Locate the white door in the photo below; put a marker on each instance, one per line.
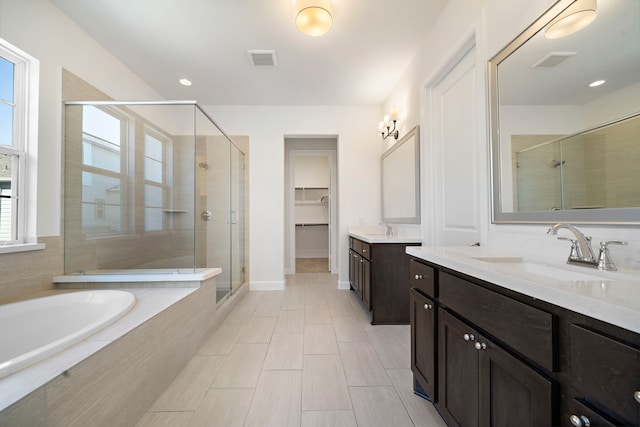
(455, 148)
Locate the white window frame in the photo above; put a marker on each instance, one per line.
(126, 124)
(164, 185)
(25, 148)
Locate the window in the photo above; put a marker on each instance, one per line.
(154, 181)
(103, 164)
(18, 144)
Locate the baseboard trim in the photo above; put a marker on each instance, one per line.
(344, 285)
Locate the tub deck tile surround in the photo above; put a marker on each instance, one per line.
(137, 359)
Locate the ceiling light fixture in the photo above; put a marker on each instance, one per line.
(314, 17)
(387, 127)
(596, 83)
(185, 82)
(574, 18)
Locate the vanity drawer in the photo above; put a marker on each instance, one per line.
(527, 330)
(606, 373)
(422, 278)
(365, 250)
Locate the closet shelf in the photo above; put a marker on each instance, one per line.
(309, 202)
(310, 224)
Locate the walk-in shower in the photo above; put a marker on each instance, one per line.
(152, 187)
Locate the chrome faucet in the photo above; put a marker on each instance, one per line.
(581, 250)
(389, 230)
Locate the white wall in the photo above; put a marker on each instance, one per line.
(43, 31)
(358, 174)
(502, 21)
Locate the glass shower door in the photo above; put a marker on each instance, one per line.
(237, 218)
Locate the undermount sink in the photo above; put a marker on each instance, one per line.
(520, 265)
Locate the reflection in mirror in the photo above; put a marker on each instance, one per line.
(590, 170)
(401, 180)
(562, 150)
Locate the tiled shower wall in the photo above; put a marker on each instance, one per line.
(25, 274)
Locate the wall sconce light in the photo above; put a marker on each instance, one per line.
(314, 17)
(572, 19)
(387, 127)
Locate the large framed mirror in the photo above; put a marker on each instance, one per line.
(400, 166)
(563, 147)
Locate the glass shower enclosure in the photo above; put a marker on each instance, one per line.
(152, 187)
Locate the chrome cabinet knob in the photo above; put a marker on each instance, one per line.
(418, 276)
(428, 306)
(481, 346)
(580, 421)
(468, 337)
(636, 396)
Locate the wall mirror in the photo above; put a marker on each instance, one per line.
(563, 150)
(401, 180)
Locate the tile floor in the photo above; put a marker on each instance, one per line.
(306, 356)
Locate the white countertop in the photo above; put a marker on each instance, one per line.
(383, 238)
(613, 297)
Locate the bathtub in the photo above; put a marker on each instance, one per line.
(35, 329)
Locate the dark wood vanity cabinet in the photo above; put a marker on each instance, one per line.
(605, 375)
(360, 270)
(378, 274)
(503, 358)
(482, 384)
(423, 340)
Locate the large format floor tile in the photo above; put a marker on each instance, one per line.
(307, 356)
(324, 386)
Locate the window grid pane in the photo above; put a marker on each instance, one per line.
(7, 79)
(7, 89)
(7, 214)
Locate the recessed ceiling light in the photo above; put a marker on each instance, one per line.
(185, 82)
(596, 83)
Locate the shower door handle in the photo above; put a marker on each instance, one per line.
(233, 217)
(206, 215)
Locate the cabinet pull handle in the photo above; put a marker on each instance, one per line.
(428, 306)
(481, 346)
(468, 337)
(418, 276)
(636, 396)
(580, 421)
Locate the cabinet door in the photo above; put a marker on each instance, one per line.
(366, 283)
(357, 279)
(511, 393)
(457, 371)
(352, 269)
(423, 345)
(605, 373)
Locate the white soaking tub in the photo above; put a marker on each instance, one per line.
(35, 329)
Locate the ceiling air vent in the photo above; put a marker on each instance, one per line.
(262, 58)
(553, 59)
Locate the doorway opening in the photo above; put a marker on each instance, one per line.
(310, 196)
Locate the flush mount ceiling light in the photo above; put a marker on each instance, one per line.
(314, 17)
(597, 83)
(185, 82)
(572, 19)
